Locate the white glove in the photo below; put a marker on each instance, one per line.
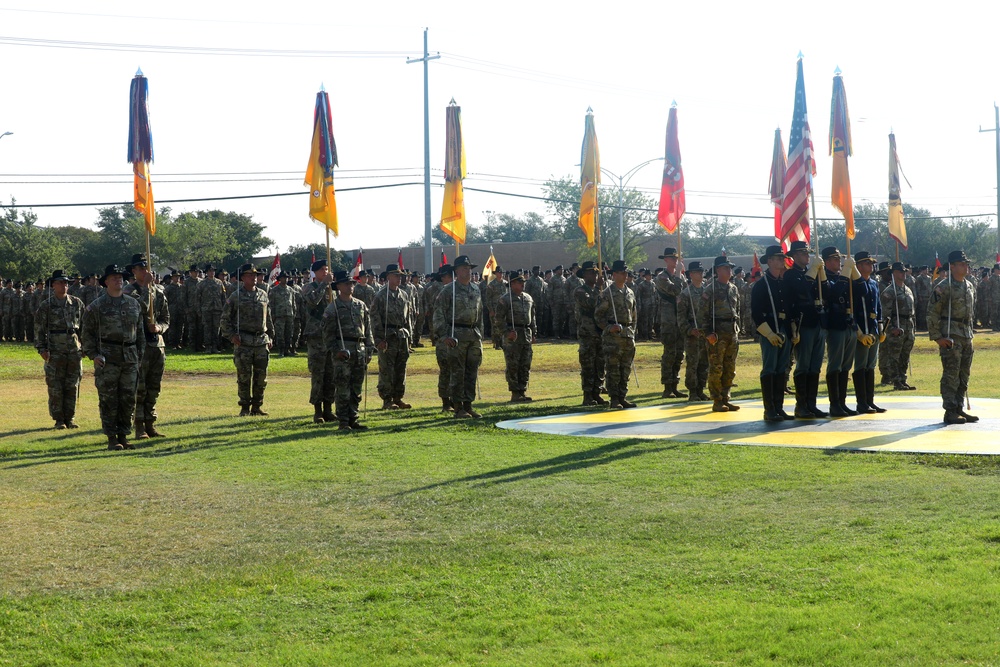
(851, 268)
(773, 338)
(817, 269)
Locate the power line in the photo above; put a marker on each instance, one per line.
(739, 216)
(195, 50)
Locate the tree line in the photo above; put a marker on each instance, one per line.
(705, 236)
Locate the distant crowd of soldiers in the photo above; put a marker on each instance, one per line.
(796, 308)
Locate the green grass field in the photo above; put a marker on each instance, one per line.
(428, 541)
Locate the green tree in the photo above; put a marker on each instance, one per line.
(300, 257)
(503, 226)
(638, 215)
(706, 236)
(27, 251)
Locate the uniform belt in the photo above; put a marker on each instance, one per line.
(63, 331)
(251, 333)
(117, 342)
(624, 324)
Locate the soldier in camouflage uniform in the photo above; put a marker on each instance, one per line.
(588, 334)
(517, 323)
(247, 323)
(668, 285)
(211, 295)
(993, 296)
(417, 305)
(91, 290)
(27, 312)
(316, 296)
(348, 337)
(281, 299)
(536, 287)
(154, 355)
(57, 329)
(192, 315)
(391, 319)
(572, 282)
(298, 324)
(616, 312)
(445, 277)
(174, 295)
(428, 295)
(695, 347)
(950, 325)
(113, 338)
(557, 299)
(922, 296)
(458, 323)
(719, 315)
(898, 311)
(495, 289)
(645, 295)
(6, 306)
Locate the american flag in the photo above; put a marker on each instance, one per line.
(801, 169)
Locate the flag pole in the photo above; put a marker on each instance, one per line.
(149, 267)
(812, 200)
(329, 289)
(597, 230)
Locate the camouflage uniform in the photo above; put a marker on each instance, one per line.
(464, 359)
(175, 304)
(993, 295)
(113, 327)
(719, 313)
(898, 311)
(192, 314)
(922, 294)
(695, 346)
(281, 300)
(617, 306)
(591, 353)
(645, 295)
(346, 326)
(315, 298)
(518, 353)
(89, 293)
(246, 315)
(959, 300)
(57, 331)
(153, 358)
(537, 288)
(298, 324)
(494, 290)
(211, 296)
(572, 282)
(557, 299)
(668, 288)
(6, 295)
(391, 318)
(428, 296)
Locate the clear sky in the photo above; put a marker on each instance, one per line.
(226, 107)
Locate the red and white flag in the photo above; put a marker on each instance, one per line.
(399, 260)
(672, 203)
(359, 264)
(801, 169)
(312, 274)
(444, 259)
(272, 278)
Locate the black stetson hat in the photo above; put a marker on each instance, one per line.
(588, 265)
(831, 251)
(317, 265)
(668, 252)
(773, 251)
(694, 266)
(463, 260)
(796, 246)
(619, 265)
(343, 277)
(112, 270)
(59, 274)
(246, 268)
(722, 260)
(956, 256)
(863, 256)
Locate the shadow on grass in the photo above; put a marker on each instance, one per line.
(609, 453)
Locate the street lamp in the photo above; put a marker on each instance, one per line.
(622, 182)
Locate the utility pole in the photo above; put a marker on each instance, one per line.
(996, 131)
(428, 241)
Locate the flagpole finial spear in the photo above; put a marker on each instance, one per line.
(673, 105)
(589, 109)
(452, 103)
(322, 87)
(138, 71)
(836, 71)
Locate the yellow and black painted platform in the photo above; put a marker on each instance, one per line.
(911, 424)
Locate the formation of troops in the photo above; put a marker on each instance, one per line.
(858, 315)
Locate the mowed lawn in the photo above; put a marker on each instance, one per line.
(428, 541)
